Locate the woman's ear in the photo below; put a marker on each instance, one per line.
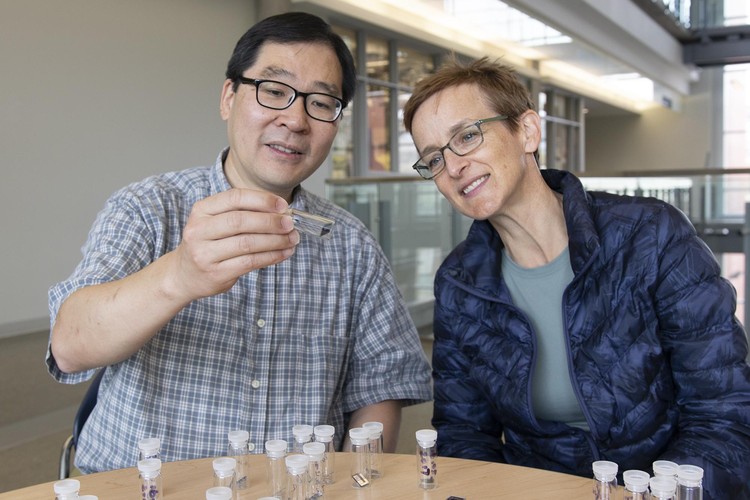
(531, 125)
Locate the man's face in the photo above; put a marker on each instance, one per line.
(275, 150)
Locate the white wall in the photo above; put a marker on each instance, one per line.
(95, 94)
(659, 139)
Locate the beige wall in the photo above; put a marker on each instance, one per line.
(659, 139)
(95, 94)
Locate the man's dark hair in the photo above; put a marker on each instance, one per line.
(292, 27)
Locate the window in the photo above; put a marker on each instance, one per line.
(342, 150)
(736, 127)
(736, 146)
(375, 142)
(562, 137)
(736, 154)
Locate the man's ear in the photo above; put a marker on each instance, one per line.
(227, 99)
(531, 125)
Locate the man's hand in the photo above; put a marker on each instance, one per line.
(228, 235)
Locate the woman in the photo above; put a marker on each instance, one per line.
(571, 326)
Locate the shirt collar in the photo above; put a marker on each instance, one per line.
(219, 183)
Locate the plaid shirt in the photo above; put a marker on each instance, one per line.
(306, 341)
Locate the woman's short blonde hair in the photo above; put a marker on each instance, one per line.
(499, 84)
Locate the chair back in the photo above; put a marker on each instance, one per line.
(87, 406)
(84, 410)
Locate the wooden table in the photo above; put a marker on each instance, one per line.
(470, 479)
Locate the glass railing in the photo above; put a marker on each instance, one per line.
(705, 196)
(417, 227)
(707, 14)
(411, 220)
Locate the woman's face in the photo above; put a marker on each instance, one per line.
(488, 181)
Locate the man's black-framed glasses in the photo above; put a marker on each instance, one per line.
(462, 143)
(276, 95)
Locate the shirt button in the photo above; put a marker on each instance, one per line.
(261, 323)
(255, 384)
(250, 446)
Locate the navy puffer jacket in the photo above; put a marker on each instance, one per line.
(657, 356)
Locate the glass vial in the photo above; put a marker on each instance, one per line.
(315, 452)
(238, 450)
(224, 472)
(689, 482)
(67, 489)
(324, 434)
(427, 458)
(149, 470)
(636, 485)
(302, 434)
(276, 468)
(663, 488)
(149, 448)
(376, 448)
(219, 493)
(360, 448)
(605, 479)
(311, 224)
(297, 478)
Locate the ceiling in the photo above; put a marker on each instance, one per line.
(614, 53)
(612, 43)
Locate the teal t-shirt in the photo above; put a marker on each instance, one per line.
(538, 293)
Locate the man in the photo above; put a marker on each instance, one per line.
(571, 326)
(210, 312)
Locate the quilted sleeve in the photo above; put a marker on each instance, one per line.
(707, 349)
(462, 415)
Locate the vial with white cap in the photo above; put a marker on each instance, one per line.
(376, 448)
(360, 448)
(302, 434)
(224, 472)
(689, 482)
(276, 468)
(219, 493)
(298, 478)
(663, 488)
(427, 458)
(324, 434)
(238, 449)
(149, 470)
(636, 484)
(665, 468)
(67, 489)
(315, 452)
(149, 448)
(605, 479)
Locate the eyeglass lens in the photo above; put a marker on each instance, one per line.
(277, 95)
(462, 143)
